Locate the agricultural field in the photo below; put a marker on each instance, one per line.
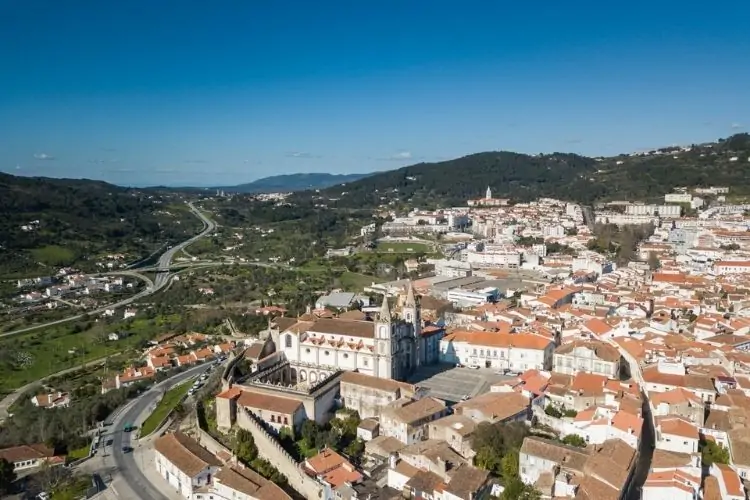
(403, 247)
(32, 356)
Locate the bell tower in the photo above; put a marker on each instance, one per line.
(383, 342)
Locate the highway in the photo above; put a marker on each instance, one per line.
(129, 480)
(166, 258)
(162, 278)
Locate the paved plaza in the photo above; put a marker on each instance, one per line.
(451, 384)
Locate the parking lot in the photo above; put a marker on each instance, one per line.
(451, 384)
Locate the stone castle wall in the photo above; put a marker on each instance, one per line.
(271, 449)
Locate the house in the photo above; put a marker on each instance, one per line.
(545, 459)
(407, 419)
(729, 485)
(184, 464)
(677, 434)
(159, 363)
(665, 376)
(516, 352)
(275, 411)
(368, 395)
(51, 400)
(332, 471)
(113, 336)
(590, 356)
(608, 472)
(674, 484)
(680, 402)
(30, 456)
(457, 431)
(241, 483)
(133, 375)
(430, 470)
(368, 429)
(495, 407)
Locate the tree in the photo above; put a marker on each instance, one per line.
(714, 453)
(7, 476)
(244, 446)
(552, 411)
(509, 466)
(653, 261)
(515, 489)
(492, 442)
(574, 440)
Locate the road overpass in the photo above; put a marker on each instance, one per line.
(162, 277)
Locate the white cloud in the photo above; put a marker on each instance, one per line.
(400, 156)
(43, 156)
(736, 126)
(302, 154)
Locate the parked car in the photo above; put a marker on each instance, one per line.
(127, 449)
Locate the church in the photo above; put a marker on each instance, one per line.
(390, 346)
(487, 201)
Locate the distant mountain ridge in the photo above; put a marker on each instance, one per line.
(565, 176)
(293, 182)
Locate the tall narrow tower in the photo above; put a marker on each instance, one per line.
(383, 349)
(412, 315)
(489, 193)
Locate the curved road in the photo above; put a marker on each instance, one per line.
(132, 483)
(162, 278)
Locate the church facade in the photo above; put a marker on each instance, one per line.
(388, 347)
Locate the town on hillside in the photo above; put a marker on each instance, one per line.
(542, 350)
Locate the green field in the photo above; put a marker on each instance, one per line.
(355, 282)
(402, 247)
(32, 356)
(53, 255)
(168, 403)
(82, 452)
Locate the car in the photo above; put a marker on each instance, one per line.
(127, 449)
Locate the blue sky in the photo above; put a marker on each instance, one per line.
(205, 93)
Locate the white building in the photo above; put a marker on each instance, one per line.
(660, 210)
(516, 352)
(678, 198)
(732, 267)
(242, 483)
(184, 464)
(587, 356)
(471, 298)
(384, 348)
(510, 259)
(676, 434)
(674, 484)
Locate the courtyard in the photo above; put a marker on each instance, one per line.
(452, 384)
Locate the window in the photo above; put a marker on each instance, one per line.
(326, 353)
(366, 362)
(346, 355)
(481, 352)
(475, 352)
(288, 340)
(286, 420)
(307, 350)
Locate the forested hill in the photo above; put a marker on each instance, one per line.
(292, 182)
(52, 222)
(558, 175)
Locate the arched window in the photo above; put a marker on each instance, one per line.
(288, 340)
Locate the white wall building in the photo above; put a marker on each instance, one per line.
(184, 464)
(517, 352)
